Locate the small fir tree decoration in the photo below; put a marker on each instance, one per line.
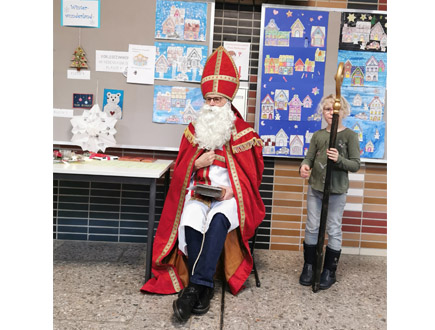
(79, 59)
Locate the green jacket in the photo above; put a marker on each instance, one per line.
(347, 145)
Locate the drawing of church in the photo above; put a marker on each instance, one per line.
(267, 108)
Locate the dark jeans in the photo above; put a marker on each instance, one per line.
(202, 270)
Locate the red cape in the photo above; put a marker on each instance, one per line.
(244, 159)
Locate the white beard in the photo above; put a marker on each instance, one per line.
(213, 126)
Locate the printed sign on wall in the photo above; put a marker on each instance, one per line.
(292, 76)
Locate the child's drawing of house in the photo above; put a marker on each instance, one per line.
(357, 129)
(177, 15)
(271, 65)
(189, 113)
(309, 65)
(191, 29)
(381, 66)
(178, 97)
(281, 99)
(299, 65)
(369, 147)
(318, 36)
(346, 34)
(297, 29)
(377, 31)
(286, 63)
(384, 42)
(274, 37)
(268, 144)
(281, 138)
(267, 108)
(320, 55)
(361, 32)
(375, 107)
(168, 26)
(162, 65)
(372, 69)
(307, 102)
(357, 100)
(296, 145)
(163, 101)
(295, 107)
(194, 57)
(357, 77)
(308, 136)
(347, 68)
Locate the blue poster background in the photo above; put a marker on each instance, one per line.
(291, 87)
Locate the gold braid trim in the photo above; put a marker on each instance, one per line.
(189, 136)
(236, 181)
(174, 279)
(242, 133)
(254, 142)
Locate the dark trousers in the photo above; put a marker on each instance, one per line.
(202, 263)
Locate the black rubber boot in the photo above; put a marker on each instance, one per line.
(306, 277)
(187, 298)
(329, 267)
(203, 304)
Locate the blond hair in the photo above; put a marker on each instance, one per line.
(345, 106)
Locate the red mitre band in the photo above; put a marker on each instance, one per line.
(220, 75)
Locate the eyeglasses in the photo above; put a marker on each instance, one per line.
(214, 99)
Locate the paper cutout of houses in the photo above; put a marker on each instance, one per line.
(296, 144)
(307, 102)
(376, 107)
(267, 108)
(309, 65)
(357, 100)
(281, 99)
(274, 37)
(297, 29)
(286, 63)
(318, 36)
(189, 113)
(271, 65)
(281, 138)
(191, 29)
(370, 147)
(357, 77)
(372, 69)
(295, 107)
(347, 68)
(299, 65)
(320, 55)
(268, 144)
(178, 97)
(163, 101)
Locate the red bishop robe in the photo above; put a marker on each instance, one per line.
(244, 159)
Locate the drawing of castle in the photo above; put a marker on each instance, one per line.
(267, 108)
(318, 36)
(274, 37)
(281, 99)
(295, 106)
(372, 69)
(297, 29)
(296, 144)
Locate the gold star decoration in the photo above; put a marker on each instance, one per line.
(289, 14)
(351, 18)
(363, 17)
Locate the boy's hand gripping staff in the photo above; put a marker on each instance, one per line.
(326, 190)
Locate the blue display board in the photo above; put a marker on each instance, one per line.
(292, 78)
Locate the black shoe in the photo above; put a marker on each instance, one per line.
(187, 298)
(330, 266)
(306, 277)
(203, 304)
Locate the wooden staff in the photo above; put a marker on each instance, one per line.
(326, 190)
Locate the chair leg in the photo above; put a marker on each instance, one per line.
(254, 268)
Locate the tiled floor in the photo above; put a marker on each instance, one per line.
(96, 286)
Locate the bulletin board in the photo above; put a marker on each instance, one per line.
(300, 48)
(122, 23)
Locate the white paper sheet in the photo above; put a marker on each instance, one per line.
(111, 61)
(141, 62)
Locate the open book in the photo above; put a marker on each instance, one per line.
(209, 191)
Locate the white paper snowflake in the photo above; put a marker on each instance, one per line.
(93, 130)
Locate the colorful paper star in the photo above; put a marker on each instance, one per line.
(351, 18)
(289, 14)
(315, 91)
(363, 17)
